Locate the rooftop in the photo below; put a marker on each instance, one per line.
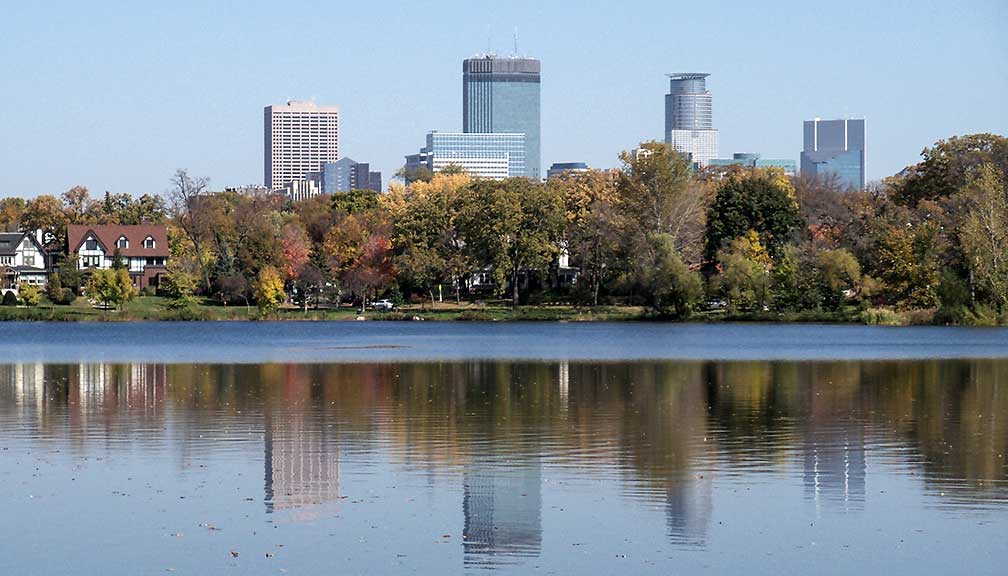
(687, 75)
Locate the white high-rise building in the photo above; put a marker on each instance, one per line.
(298, 138)
(689, 125)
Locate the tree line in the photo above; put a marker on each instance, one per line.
(928, 243)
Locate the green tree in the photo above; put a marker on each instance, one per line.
(70, 276)
(55, 291)
(948, 166)
(983, 233)
(355, 201)
(269, 289)
(514, 226)
(29, 294)
(756, 200)
(672, 289)
(118, 262)
(907, 263)
(745, 273)
(110, 287)
(179, 287)
(841, 274)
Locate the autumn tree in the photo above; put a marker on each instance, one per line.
(295, 248)
(269, 289)
(185, 198)
(11, 211)
(78, 205)
(592, 231)
(428, 244)
(45, 213)
(656, 195)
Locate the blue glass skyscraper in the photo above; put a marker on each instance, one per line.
(835, 147)
(502, 95)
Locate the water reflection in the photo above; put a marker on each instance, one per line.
(667, 434)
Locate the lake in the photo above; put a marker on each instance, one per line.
(386, 447)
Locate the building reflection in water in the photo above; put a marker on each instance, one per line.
(663, 430)
(502, 504)
(300, 456)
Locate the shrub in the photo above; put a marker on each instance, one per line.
(881, 317)
(10, 299)
(29, 294)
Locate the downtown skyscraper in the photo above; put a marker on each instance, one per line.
(837, 148)
(501, 95)
(689, 125)
(298, 137)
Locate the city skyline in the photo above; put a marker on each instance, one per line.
(198, 92)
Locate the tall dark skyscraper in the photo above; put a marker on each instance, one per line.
(502, 95)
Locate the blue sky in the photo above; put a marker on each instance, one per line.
(118, 95)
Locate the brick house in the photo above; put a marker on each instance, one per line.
(143, 249)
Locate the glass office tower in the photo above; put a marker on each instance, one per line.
(502, 95)
(491, 156)
(689, 125)
(835, 147)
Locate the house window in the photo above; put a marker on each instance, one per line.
(92, 261)
(6, 260)
(91, 244)
(29, 260)
(122, 242)
(148, 242)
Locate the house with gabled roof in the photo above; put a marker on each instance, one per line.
(143, 249)
(22, 259)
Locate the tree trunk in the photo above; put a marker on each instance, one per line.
(514, 288)
(595, 289)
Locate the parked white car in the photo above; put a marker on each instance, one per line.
(385, 305)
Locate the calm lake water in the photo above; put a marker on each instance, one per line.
(380, 448)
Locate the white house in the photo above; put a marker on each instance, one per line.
(22, 259)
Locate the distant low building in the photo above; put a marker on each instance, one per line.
(143, 249)
(251, 190)
(752, 160)
(345, 175)
(559, 168)
(297, 190)
(492, 156)
(22, 259)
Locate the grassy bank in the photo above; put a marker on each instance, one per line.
(153, 308)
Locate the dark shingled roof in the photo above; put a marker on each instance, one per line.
(9, 242)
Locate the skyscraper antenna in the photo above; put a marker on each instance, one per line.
(516, 41)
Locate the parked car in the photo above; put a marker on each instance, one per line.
(384, 305)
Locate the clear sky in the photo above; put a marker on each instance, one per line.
(118, 95)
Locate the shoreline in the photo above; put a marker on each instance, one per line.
(154, 309)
